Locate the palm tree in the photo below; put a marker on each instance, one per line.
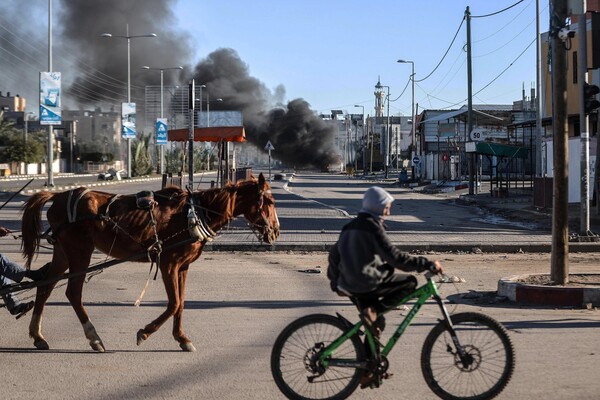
(142, 161)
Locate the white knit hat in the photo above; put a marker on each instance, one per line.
(375, 199)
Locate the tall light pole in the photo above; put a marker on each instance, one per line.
(128, 37)
(364, 142)
(162, 88)
(208, 123)
(412, 115)
(50, 127)
(388, 143)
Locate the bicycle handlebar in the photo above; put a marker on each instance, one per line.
(429, 275)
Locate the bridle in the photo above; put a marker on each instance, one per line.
(261, 217)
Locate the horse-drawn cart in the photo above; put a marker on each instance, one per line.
(170, 229)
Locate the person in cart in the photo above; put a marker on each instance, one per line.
(11, 272)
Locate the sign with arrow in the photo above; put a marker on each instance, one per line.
(269, 147)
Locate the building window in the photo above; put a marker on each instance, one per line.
(574, 67)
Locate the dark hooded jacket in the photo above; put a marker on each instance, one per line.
(363, 254)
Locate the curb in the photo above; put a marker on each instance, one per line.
(438, 248)
(103, 183)
(518, 292)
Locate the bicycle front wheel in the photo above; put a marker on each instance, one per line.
(486, 368)
(294, 359)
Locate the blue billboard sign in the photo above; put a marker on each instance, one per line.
(50, 98)
(128, 120)
(161, 131)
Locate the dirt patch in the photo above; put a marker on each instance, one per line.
(575, 280)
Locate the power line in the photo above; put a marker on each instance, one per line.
(446, 53)
(497, 12)
(489, 83)
(506, 69)
(505, 26)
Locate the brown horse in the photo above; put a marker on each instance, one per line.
(82, 220)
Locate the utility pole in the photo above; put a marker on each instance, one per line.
(559, 271)
(539, 168)
(192, 98)
(469, 156)
(584, 219)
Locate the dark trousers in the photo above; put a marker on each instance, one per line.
(394, 287)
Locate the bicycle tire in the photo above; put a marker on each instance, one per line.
(291, 355)
(483, 338)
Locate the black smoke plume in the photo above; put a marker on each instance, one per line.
(299, 136)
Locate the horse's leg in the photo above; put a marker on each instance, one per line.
(74, 293)
(184, 342)
(79, 258)
(58, 267)
(169, 277)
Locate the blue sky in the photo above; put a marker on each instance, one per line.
(331, 52)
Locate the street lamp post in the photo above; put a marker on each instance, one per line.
(412, 115)
(388, 143)
(208, 122)
(364, 157)
(128, 37)
(162, 146)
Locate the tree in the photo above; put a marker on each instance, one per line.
(142, 160)
(173, 159)
(16, 148)
(20, 151)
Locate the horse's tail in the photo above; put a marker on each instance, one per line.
(32, 225)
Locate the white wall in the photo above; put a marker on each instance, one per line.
(574, 166)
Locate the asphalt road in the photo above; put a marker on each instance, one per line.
(237, 303)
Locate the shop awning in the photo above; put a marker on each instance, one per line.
(501, 150)
(217, 134)
(461, 113)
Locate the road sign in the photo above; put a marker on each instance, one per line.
(416, 160)
(269, 146)
(161, 131)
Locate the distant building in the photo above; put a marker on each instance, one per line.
(12, 103)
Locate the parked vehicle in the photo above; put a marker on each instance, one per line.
(112, 174)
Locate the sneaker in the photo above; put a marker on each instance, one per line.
(22, 309)
(367, 380)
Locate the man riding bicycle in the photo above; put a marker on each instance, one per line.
(363, 261)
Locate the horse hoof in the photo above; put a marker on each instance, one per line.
(41, 345)
(98, 346)
(141, 336)
(187, 347)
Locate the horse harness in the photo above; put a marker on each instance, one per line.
(197, 227)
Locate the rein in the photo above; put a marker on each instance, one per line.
(253, 225)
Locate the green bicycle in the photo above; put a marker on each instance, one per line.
(465, 356)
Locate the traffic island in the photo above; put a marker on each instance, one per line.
(582, 291)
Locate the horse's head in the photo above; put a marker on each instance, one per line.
(259, 209)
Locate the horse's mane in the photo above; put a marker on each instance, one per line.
(171, 194)
(217, 199)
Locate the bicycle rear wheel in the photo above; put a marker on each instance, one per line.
(294, 359)
(489, 351)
